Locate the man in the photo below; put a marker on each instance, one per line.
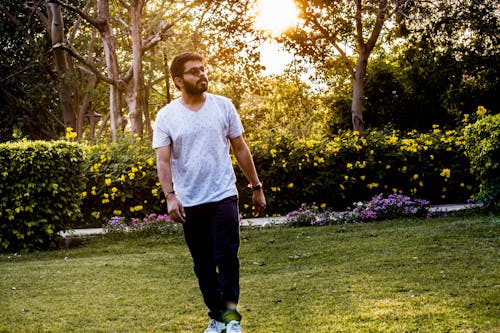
(192, 137)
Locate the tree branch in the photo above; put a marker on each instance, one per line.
(154, 39)
(382, 9)
(78, 21)
(332, 38)
(72, 52)
(76, 10)
(18, 23)
(359, 24)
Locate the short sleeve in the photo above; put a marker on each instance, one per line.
(235, 125)
(161, 137)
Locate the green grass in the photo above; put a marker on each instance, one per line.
(411, 275)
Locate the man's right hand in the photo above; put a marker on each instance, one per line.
(175, 209)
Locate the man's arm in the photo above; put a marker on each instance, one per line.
(163, 166)
(245, 161)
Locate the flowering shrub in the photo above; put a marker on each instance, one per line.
(347, 166)
(304, 216)
(151, 224)
(122, 179)
(381, 207)
(482, 141)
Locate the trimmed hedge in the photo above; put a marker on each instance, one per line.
(40, 187)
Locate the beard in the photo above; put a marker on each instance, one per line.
(198, 88)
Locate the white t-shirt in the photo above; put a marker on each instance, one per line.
(202, 171)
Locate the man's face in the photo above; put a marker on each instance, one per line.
(195, 77)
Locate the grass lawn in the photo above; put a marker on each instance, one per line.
(407, 275)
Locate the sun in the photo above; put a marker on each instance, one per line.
(276, 16)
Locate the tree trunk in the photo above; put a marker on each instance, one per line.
(358, 93)
(108, 39)
(61, 63)
(136, 93)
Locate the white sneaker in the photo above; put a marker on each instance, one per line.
(233, 327)
(215, 327)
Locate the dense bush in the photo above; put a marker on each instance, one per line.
(482, 146)
(40, 187)
(122, 181)
(333, 172)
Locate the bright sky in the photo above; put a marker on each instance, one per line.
(275, 16)
(274, 58)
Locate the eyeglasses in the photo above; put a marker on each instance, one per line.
(196, 71)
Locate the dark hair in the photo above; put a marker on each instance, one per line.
(177, 65)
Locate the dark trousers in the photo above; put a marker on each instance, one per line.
(212, 233)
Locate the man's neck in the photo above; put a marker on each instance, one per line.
(188, 99)
(193, 102)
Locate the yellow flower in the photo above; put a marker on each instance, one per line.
(290, 185)
(70, 134)
(93, 191)
(421, 184)
(372, 185)
(154, 192)
(83, 195)
(273, 152)
(481, 111)
(445, 173)
(134, 169)
(323, 205)
(107, 182)
(342, 187)
(117, 212)
(95, 167)
(246, 206)
(114, 190)
(415, 177)
(349, 165)
(362, 177)
(150, 161)
(131, 176)
(465, 120)
(96, 214)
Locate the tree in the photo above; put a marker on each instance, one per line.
(451, 59)
(28, 93)
(130, 80)
(343, 27)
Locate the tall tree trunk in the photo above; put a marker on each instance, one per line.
(108, 39)
(358, 93)
(136, 94)
(62, 66)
